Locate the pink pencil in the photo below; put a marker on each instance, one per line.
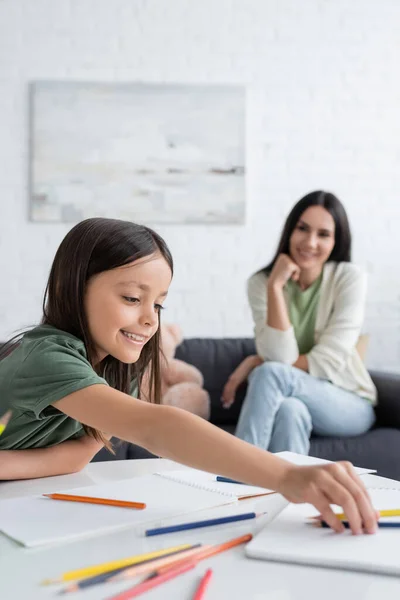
(149, 584)
(202, 585)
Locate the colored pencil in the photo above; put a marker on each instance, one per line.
(198, 555)
(380, 524)
(90, 500)
(227, 480)
(149, 564)
(199, 594)
(158, 565)
(4, 421)
(153, 582)
(392, 512)
(115, 564)
(199, 524)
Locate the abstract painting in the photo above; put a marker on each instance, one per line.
(149, 153)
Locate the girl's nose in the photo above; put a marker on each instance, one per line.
(149, 317)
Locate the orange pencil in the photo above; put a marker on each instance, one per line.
(90, 500)
(218, 548)
(202, 585)
(149, 584)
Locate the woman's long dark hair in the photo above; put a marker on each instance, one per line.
(342, 249)
(91, 247)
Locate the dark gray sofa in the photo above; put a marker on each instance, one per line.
(217, 358)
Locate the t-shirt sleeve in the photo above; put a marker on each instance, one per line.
(50, 372)
(134, 389)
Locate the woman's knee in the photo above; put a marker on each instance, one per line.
(271, 370)
(293, 409)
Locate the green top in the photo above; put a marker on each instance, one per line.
(303, 306)
(48, 365)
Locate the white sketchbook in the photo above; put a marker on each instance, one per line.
(307, 461)
(37, 520)
(291, 539)
(207, 481)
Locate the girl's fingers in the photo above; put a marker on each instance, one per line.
(321, 503)
(347, 476)
(340, 488)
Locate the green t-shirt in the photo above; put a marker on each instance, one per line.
(48, 365)
(303, 305)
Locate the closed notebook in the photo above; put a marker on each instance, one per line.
(291, 539)
(207, 482)
(37, 520)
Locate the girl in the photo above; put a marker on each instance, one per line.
(308, 307)
(70, 380)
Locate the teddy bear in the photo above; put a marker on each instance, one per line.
(181, 383)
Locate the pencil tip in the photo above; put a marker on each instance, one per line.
(47, 581)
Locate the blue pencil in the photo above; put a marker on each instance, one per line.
(227, 480)
(198, 524)
(380, 524)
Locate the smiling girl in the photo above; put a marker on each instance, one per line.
(75, 380)
(308, 307)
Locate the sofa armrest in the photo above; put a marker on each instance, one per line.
(388, 409)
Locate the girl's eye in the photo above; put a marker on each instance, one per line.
(325, 234)
(159, 307)
(301, 227)
(130, 299)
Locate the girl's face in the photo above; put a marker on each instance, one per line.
(313, 239)
(122, 306)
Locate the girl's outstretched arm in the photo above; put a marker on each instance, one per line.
(68, 457)
(181, 436)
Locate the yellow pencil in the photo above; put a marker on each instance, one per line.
(393, 512)
(4, 420)
(110, 566)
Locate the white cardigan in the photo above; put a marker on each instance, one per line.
(339, 319)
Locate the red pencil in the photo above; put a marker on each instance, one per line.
(202, 585)
(149, 584)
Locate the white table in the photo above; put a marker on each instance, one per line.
(234, 575)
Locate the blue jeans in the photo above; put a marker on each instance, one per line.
(283, 405)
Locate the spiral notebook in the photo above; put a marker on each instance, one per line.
(36, 520)
(207, 482)
(291, 539)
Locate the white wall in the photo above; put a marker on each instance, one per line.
(323, 109)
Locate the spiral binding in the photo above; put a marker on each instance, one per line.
(199, 486)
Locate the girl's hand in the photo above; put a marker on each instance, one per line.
(335, 483)
(284, 269)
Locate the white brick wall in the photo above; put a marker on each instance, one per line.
(323, 111)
